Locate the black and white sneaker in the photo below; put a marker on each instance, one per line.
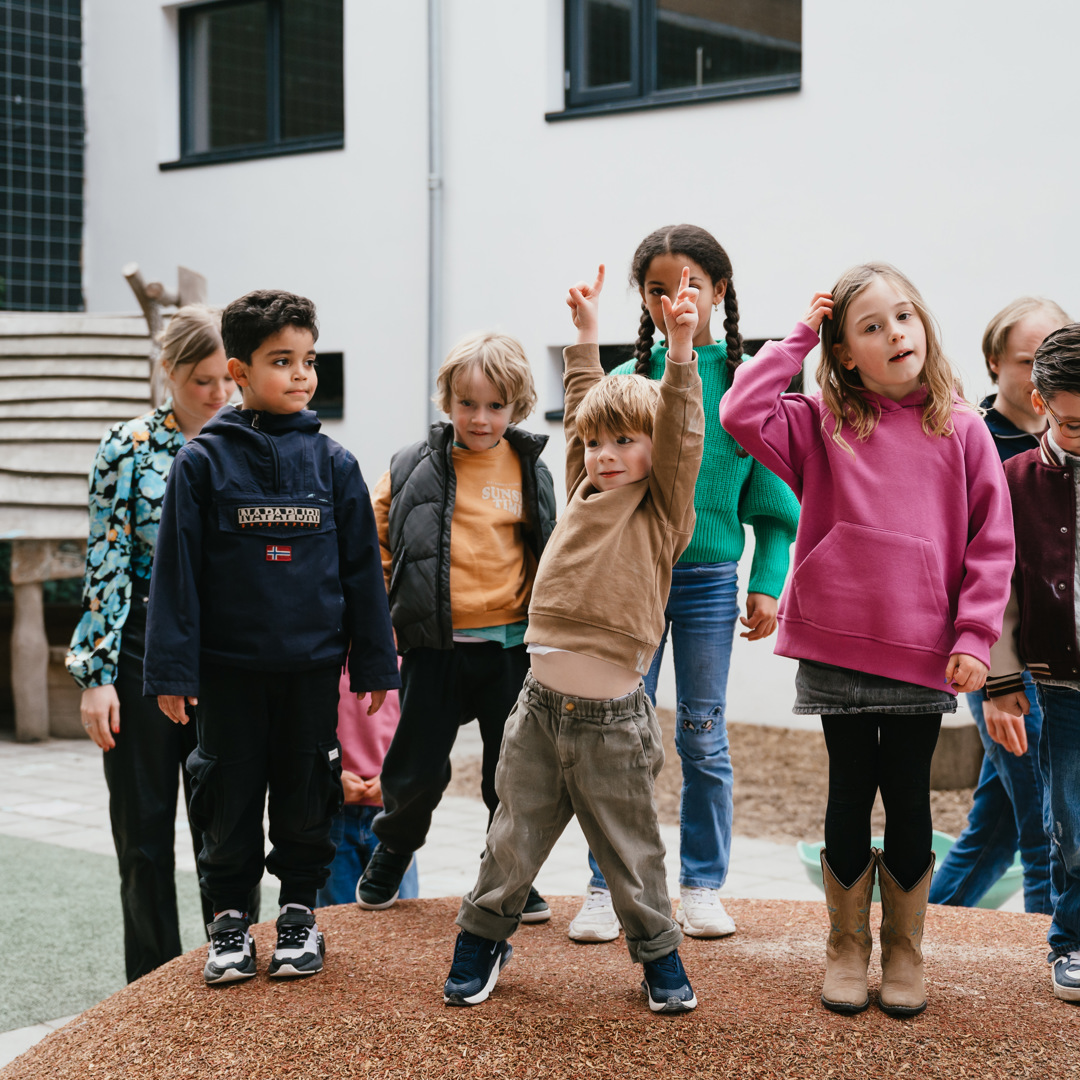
(231, 955)
(1066, 975)
(378, 886)
(667, 985)
(536, 908)
(476, 967)
(300, 946)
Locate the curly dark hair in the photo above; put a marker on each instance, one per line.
(701, 246)
(246, 323)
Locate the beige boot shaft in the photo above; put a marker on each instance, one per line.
(903, 990)
(847, 953)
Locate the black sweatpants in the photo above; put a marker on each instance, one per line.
(890, 751)
(441, 689)
(260, 730)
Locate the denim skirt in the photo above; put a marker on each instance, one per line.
(823, 688)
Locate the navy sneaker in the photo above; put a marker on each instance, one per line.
(536, 908)
(300, 946)
(231, 954)
(667, 985)
(476, 967)
(378, 886)
(1065, 975)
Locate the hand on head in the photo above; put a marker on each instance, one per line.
(681, 320)
(584, 303)
(819, 310)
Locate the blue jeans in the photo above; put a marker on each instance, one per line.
(351, 831)
(1007, 814)
(701, 613)
(1059, 759)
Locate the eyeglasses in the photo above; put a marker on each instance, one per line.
(1069, 427)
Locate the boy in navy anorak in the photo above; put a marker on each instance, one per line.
(267, 575)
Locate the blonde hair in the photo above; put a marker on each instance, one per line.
(619, 405)
(840, 387)
(193, 333)
(996, 334)
(500, 359)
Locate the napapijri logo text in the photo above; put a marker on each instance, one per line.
(307, 516)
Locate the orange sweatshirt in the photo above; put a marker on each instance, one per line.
(491, 566)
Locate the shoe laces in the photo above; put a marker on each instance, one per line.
(292, 936)
(225, 941)
(699, 895)
(668, 965)
(595, 899)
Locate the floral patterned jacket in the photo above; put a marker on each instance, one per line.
(127, 485)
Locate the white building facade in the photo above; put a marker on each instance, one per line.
(931, 135)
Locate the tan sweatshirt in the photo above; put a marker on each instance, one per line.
(603, 580)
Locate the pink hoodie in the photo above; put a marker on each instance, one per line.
(365, 739)
(904, 553)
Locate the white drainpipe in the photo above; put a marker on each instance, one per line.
(435, 192)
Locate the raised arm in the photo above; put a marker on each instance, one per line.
(776, 428)
(679, 426)
(582, 370)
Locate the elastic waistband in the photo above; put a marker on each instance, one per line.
(589, 709)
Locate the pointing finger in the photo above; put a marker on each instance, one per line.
(599, 283)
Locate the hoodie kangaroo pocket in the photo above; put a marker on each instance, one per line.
(875, 584)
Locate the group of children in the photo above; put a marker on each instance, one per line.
(274, 567)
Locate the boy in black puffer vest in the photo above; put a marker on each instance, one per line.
(463, 518)
(267, 574)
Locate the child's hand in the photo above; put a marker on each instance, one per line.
(966, 673)
(584, 304)
(377, 699)
(354, 786)
(1004, 725)
(819, 310)
(172, 705)
(681, 320)
(760, 616)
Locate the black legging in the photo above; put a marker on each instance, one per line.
(890, 751)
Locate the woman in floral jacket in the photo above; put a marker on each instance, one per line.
(144, 751)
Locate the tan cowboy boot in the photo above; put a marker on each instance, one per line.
(848, 952)
(902, 913)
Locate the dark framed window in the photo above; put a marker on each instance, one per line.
(634, 54)
(260, 77)
(329, 399)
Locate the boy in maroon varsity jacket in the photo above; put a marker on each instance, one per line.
(1040, 630)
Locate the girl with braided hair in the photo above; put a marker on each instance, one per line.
(732, 490)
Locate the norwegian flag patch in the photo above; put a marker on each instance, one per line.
(278, 553)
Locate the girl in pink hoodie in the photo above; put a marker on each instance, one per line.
(902, 565)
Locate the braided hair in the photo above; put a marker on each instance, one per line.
(702, 247)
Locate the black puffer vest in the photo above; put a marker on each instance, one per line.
(422, 488)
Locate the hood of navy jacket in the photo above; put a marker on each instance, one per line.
(267, 557)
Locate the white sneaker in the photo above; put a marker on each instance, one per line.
(596, 921)
(702, 915)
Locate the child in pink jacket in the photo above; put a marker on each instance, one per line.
(902, 562)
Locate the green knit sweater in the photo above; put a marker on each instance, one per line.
(733, 491)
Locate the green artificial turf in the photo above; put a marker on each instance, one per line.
(62, 934)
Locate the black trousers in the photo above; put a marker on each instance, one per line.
(891, 752)
(260, 731)
(143, 772)
(441, 690)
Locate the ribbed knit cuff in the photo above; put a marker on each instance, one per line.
(999, 686)
(769, 566)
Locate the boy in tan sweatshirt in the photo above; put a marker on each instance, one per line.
(583, 738)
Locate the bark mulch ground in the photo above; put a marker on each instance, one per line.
(566, 1010)
(781, 784)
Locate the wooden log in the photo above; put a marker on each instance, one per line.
(31, 324)
(89, 429)
(44, 522)
(46, 560)
(54, 458)
(30, 664)
(66, 389)
(20, 489)
(69, 345)
(151, 308)
(109, 411)
(94, 367)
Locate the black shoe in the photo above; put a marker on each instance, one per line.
(476, 967)
(667, 985)
(300, 946)
(536, 908)
(379, 883)
(231, 955)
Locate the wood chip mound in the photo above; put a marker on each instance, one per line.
(566, 1010)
